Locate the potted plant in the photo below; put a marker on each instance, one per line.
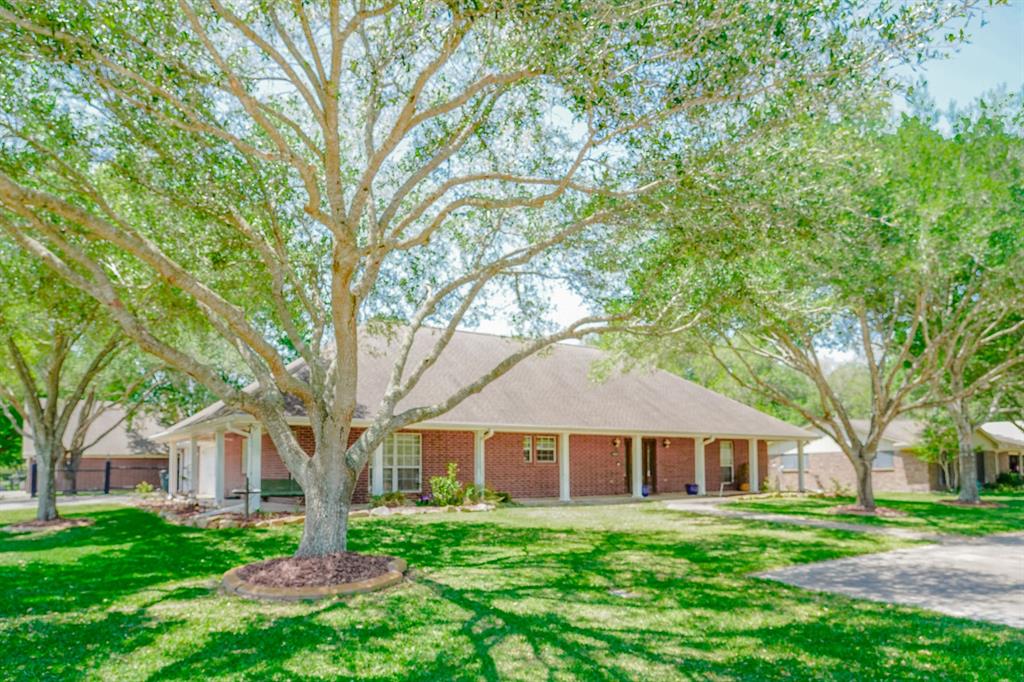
(743, 476)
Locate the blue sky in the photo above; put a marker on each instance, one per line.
(994, 56)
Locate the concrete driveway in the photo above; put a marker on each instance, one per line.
(978, 578)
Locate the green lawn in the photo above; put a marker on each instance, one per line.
(517, 594)
(923, 512)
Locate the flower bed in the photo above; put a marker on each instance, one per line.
(303, 578)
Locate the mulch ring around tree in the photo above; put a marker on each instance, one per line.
(972, 505)
(53, 525)
(299, 578)
(857, 510)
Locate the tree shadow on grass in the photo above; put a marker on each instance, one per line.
(82, 643)
(922, 513)
(124, 552)
(536, 589)
(490, 600)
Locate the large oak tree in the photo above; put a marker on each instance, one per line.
(284, 173)
(895, 243)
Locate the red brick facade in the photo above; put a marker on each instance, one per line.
(826, 470)
(506, 469)
(596, 465)
(594, 469)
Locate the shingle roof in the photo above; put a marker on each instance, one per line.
(552, 390)
(1008, 435)
(902, 433)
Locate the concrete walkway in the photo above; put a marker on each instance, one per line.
(976, 578)
(26, 502)
(711, 506)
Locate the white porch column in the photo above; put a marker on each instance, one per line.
(638, 466)
(752, 459)
(698, 466)
(800, 466)
(254, 464)
(193, 465)
(563, 467)
(218, 467)
(377, 471)
(172, 469)
(478, 459)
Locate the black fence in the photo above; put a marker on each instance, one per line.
(94, 477)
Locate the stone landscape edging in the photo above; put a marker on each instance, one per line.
(233, 584)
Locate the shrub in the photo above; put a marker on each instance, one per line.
(1009, 479)
(838, 489)
(144, 487)
(476, 494)
(392, 499)
(447, 490)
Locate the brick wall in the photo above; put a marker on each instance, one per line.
(442, 447)
(909, 474)
(593, 469)
(675, 464)
(506, 471)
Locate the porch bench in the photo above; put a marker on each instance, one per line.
(280, 487)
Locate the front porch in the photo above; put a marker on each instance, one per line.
(537, 468)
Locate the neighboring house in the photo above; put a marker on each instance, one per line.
(132, 454)
(896, 469)
(545, 429)
(1003, 446)
(1000, 447)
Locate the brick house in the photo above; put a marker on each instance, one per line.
(896, 469)
(1002, 447)
(121, 453)
(999, 448)
(546, 429)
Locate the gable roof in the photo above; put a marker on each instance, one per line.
(902, 433)
(122, 441)
(553, 390)
(1005, 435)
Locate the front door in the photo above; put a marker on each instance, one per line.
(650, 465)
(979, 460)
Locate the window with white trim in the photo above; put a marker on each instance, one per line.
(403, 462)
(527, 449)
(725, 460)
(885, 459)
(546, 448)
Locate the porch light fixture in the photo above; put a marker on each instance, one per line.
(665, 443)
(616, 442)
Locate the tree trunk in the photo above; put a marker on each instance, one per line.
(948, 475)
(46, 487)
(326, 528)
(968, 466)
(865, 485)
(71, 473)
